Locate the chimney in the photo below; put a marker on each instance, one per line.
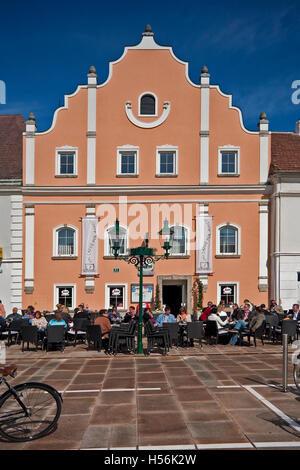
(297, 128)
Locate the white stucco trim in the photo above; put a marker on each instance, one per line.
(144, 124)
(237, 240)
(229, 148)
(128, 148)
(234, 107)
(263, 246)
(187, 236)
(166, 148)
(16, 251)
(29, 159)
(106, 239)
(55, 240)
(55, 293)
(263, 157)
(91, 160)
(148, 43)
(221, 283)
(139, 104)
(29, 249)
(65, 106)
(113, 284)
(66, 149)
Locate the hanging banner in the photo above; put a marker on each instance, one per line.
(89, 246)
(204, 244)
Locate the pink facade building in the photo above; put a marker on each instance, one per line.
(145, 145)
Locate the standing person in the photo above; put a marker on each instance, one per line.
(2, 310)
(166, 317)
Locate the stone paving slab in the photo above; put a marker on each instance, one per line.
(192, 397)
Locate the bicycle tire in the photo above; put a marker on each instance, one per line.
(44, 412)
(296, 373)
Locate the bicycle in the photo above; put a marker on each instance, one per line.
(29, 410)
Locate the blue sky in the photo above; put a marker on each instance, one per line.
(251, 49)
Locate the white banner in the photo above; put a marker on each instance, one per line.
(89, 246)
(204, 244)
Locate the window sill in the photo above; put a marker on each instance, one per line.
(228, 256)
(229, 175)
(66, 176)
(128, 175)
(112, 257)
(179, 256)
(64, 257)
(166, 175)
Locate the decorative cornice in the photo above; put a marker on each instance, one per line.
(147, 124)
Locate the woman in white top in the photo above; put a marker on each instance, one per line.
(221, 310)
(183, 316)
(216, 317)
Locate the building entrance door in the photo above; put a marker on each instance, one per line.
(172, 297)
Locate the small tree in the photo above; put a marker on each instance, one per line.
(197, 294)
(157, 304)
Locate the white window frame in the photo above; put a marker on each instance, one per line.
(66, 149)
(116, 284)
(139, 104)
(238, 239)
(123, 149)
(106, 240)
(229, 148)
(187, 241)
(55, 294)
(166, 148)
(237, 290)
(55, 241)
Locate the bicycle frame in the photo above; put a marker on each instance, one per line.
(5, 417)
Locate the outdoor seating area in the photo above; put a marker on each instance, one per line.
(122, 337)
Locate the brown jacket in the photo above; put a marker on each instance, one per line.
(256, 321)
(104, 324)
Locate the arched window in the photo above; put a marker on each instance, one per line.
(123, 236)
(65, 241)
(179, 245)
(147, 105)
(228, 240)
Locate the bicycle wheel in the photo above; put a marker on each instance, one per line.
(297, 376)
(43, 403)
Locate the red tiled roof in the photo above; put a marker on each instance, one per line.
(285, 152)
(11, 128)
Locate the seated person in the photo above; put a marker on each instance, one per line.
(166, 317)
(183, 316)
(82, 312)
(242, 323)
(214, 316)
(205, 313)
(114, 316)
(148, 315)
(131, 315)
(105, 325)
(14, 315)
(65, 313)
(2, 324)
(27, 315)
(40, 321)
(257, 320)
(58, 320)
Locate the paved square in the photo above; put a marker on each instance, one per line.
(215, 397)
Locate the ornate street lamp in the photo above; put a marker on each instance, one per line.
(142, 257)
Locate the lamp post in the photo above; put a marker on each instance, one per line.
(142, 257)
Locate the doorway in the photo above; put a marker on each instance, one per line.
(172, 297)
